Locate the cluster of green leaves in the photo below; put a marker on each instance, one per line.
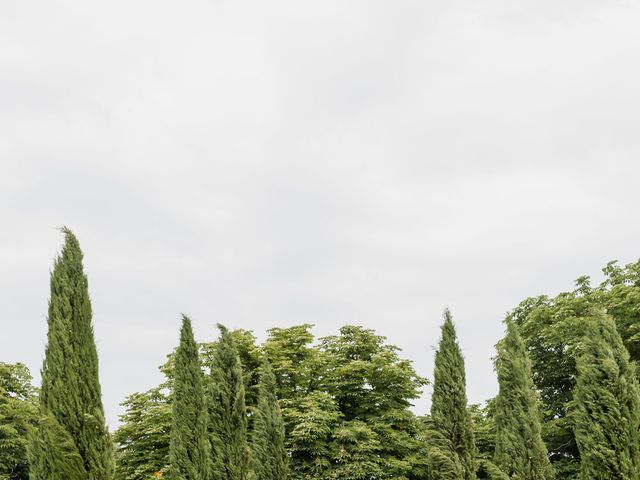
(18, 415)
(143, 437)
(346, 403)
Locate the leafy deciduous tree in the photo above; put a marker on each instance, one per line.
(18, 413)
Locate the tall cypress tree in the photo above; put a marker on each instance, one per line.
(607, 404)
(269, 453)
(72, 439)
(227, 412)
(189, 448)
(520, 451)
(449, 416)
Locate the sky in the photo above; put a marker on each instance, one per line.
(268, 164)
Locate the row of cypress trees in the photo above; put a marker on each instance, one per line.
(209, 423)
(209, 428)
(605, 409)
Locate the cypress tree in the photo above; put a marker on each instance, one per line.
(189, 454)
(227, 412)
(442, 461)
(449, 416)
(72, 439)
(269, 453)
(606, 404)
(520, 451)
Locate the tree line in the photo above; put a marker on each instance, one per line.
(339, 407)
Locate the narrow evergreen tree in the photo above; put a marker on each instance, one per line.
(607, 405)
(520, 451)
(269, 453)
(227, 412)
(189, 448)
(449, 415)
(73, 425)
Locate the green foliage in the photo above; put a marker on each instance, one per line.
(294, 360)
(373, 389)
(18, 414)
(53, 454)
(309, 415)
(520, 451)
(346, 404)
(227, 412)
(268, 449)
(552, 328)
(144, 435)
(340, 407)
(488, 470)
(70, 398)
(313, 422)
(250, 355)
(449, 415)
(189, 448)
(484, 430)
(607, 404)
(443, 462)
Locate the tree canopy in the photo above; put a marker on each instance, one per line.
(339, 407)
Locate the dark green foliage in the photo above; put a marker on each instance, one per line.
(250, 358)
(53, 454)
(71, 409)
(227, 412)
(189, 449)
(268, 450)
(144, 435)
(450, 419)
(18, 415)
(443, 463)
(520, 451)
(488, 470)
(607, 405)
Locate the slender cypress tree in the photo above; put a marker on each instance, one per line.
(269, 453)
(520, 451)
(449, 416)
(607, 405)
(73, 425)
(227, 413)
(189, 454)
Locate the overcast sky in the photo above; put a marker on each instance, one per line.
(271, 163)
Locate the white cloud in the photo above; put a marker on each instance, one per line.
(273, 163)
